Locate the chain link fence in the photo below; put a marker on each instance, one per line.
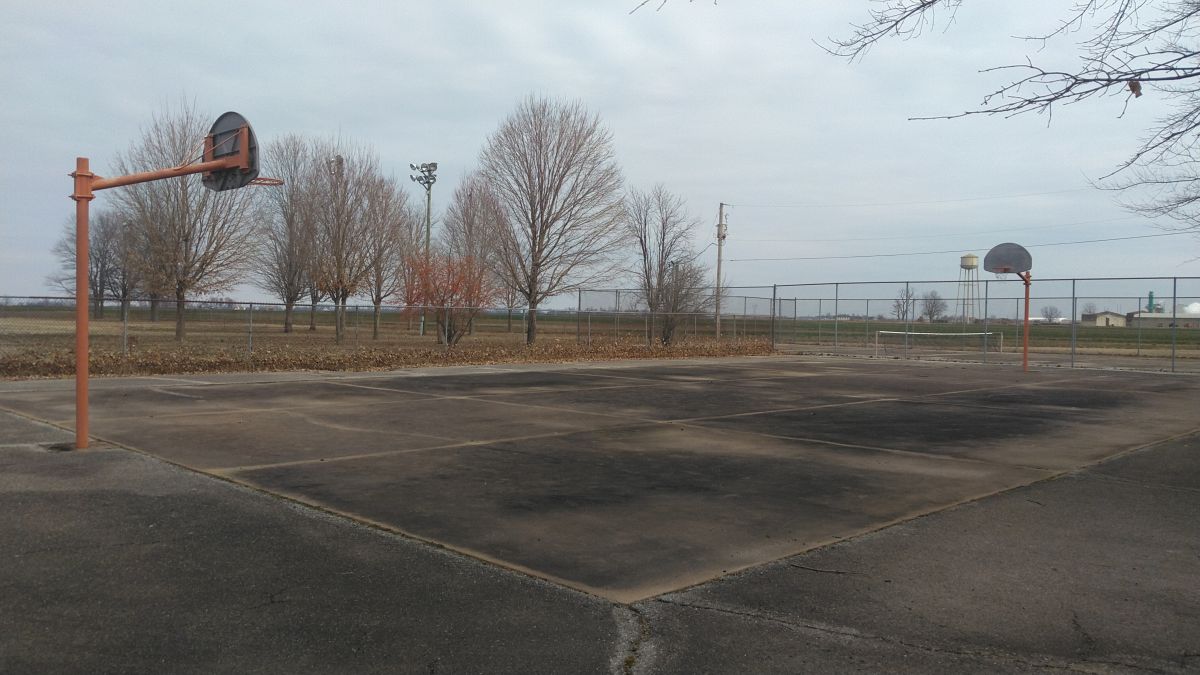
(1127, 322)
(1130, 322)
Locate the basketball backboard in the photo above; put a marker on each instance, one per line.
(1008, 257)
(224, 140)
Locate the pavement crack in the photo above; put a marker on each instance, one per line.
(274, 598)
(1041, 661)
(1089, 642)
(823, 571)
(633, 631)
(1096, 475)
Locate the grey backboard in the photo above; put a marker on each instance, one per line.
(225, 142)
(1008, 257)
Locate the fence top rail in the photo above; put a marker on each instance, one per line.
(958, 281)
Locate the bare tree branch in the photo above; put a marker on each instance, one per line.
(194, 240)
(552, 169)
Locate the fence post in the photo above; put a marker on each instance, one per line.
(1138, 321)
(836, 298)
(617, 320)
(589, 329)
(985, 320)
(820, 313)
(250, 330)
(648, 336)
(867, 328)
(795, 321)
(578, 312)
(1074, 324)
(907, 319)
(1174, 317)
(356, 325)
(125, 328)
(774, 311)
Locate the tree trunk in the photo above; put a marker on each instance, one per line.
(125, 308)
(510, 319)
(97, 306)
(531, 325)
(375, 320)
(154, 308)
(668, 329)
(312, 311)
(180, 305)
(339, 319)
(288, 310)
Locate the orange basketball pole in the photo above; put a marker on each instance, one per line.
(86, 183)
(1027, 278)
(82, 196)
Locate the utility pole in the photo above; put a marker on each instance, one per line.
(426, 180)
(720, 253)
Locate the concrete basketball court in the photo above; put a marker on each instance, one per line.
(730, 489)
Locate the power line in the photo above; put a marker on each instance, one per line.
(944, 235)
(959, 250)
(1020, 195)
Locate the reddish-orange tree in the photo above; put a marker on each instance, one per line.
(457, 288)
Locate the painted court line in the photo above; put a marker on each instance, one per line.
(404, 451)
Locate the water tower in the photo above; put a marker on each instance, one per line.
(967, 306)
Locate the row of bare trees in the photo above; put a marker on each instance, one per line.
(545, 214)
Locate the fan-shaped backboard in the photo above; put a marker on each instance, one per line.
(224, 140)
(1008, 257)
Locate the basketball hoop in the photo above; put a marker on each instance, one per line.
(262, 180)
(1010, 258)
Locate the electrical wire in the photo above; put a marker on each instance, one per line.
(944, 235)
(959, 250)
(846, 205)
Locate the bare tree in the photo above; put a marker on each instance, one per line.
(287, 235)
(125, 278)
(1090, 308)
(102, 244)
(388, 238)
(470, 229)
(196, 241)
(933, 306)
(511, 299)
(670, 280)
(343, 228)
(472, 220)
(902, 306)
(552, 168)
(1129, 48)
(1051, 314)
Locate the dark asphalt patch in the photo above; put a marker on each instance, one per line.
(630, 512)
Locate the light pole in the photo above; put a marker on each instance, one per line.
(721, 233)
(425, 179)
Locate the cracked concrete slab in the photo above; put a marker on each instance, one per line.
(1095, 569)
(633, 512)
(115, 562)
(575, 473)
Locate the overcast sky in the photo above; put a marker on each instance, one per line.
(730, 103)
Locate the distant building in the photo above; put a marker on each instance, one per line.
(1104, 318)
(1163, 319)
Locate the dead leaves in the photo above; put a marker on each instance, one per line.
(176, 359)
